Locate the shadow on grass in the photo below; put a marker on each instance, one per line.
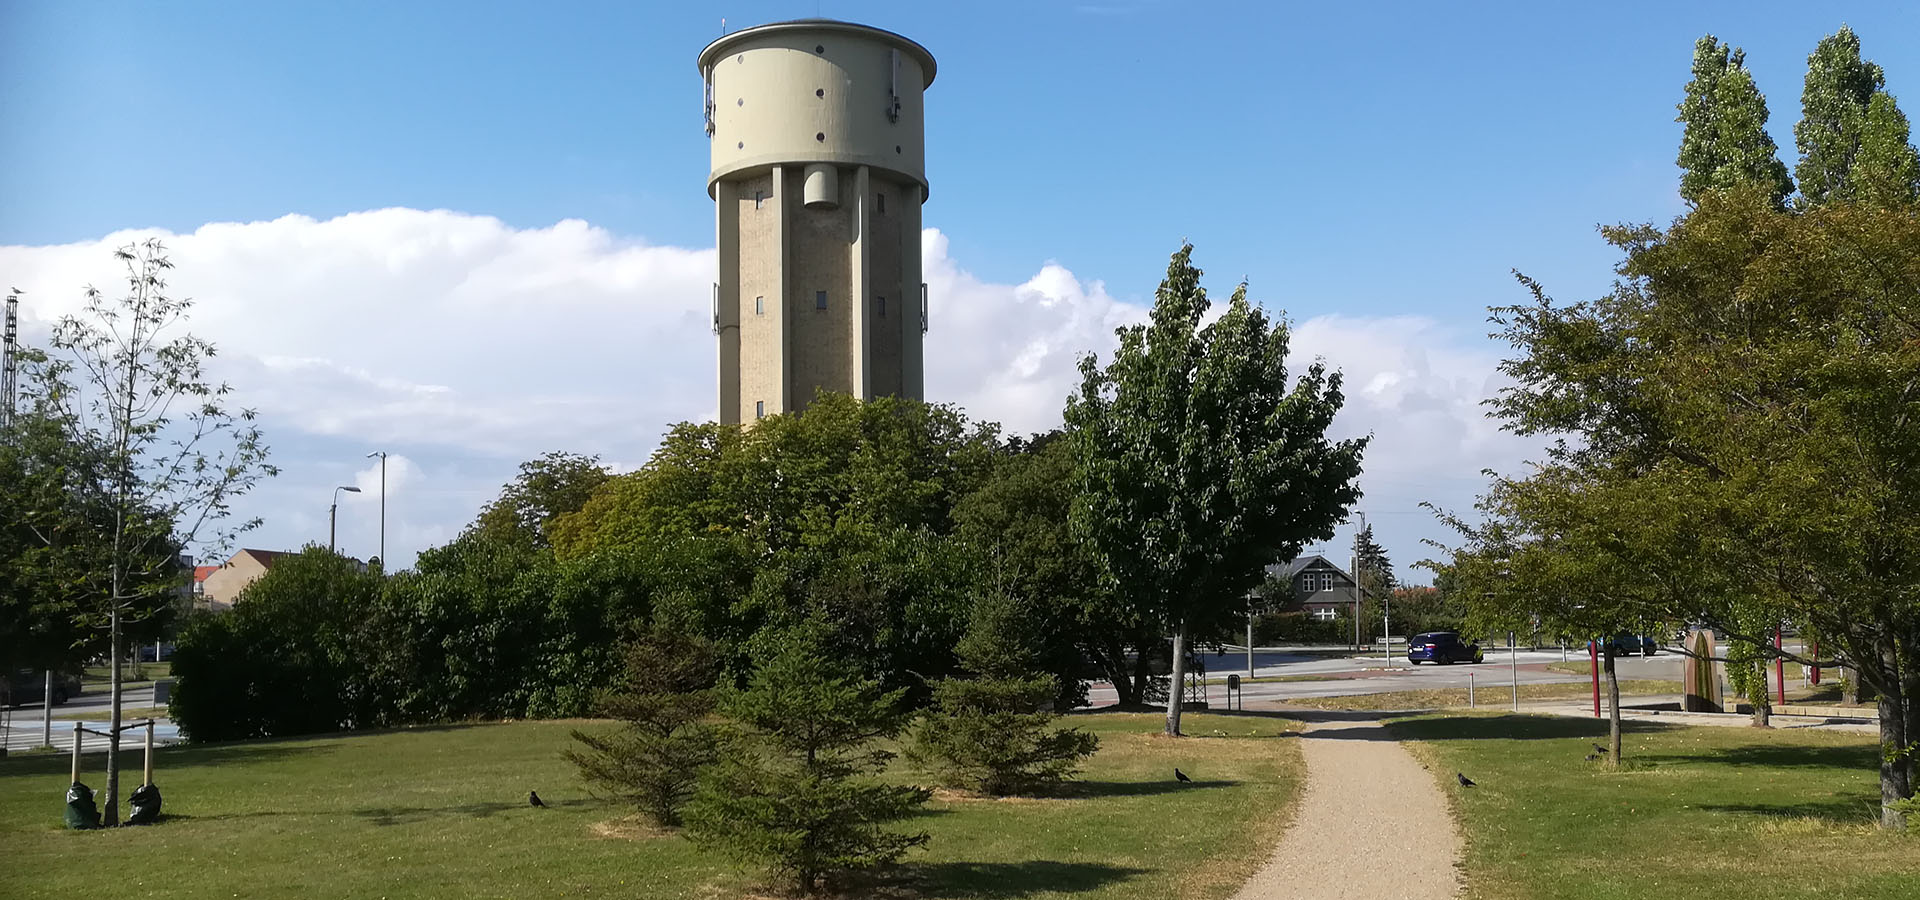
(1011, 880)
(168, 758)
(405, 815)
(1138, 788)
(1851, 758)
(1858, 809)
(1511, 728)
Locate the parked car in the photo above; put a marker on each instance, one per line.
(1442, 647)
(1629, 644)
(147, 653)
(29, 686)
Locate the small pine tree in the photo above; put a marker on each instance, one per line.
(666, 697)
(993, 733)
(799, 793)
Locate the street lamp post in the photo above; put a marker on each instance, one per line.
(383, 507)
(333, 513)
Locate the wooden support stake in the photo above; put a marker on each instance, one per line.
(149, 751)
(76, 752)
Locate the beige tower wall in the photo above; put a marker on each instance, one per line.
(783, 99)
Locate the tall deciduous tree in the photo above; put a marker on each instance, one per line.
(1725, 143)
(1751, 381)
(546, 488)
(1199, 463)
(1833, 116)
(176, 456)
(1887, 171)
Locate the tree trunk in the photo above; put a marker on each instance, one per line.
(110, 809)
(1613, 708)
(1757, 694)
(1849, 686)
(1896, 781)
(1176, 676)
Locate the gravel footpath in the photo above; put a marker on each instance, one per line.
(1372, 824)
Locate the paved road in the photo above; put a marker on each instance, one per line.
(1346, 675)
(25, 726)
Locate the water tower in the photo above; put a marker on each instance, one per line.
(818, 134)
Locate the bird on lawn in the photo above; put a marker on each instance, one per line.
(1592, 756)
(1181, 777)
(533, 799)
(1600, 750)
(1464, 780)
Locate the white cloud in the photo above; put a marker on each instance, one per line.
(463, 346)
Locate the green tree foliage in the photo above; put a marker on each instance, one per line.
(801, 797)
(1015, 525)
(844, 514)
(1198, 464)
(1886, 173)
(1743, 449)
(664, 700)
(1725, 143)
(546, 488)
(289, 658)
(1853, 139)
(993, 731)
(55, 485)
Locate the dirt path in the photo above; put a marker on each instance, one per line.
(1372, 824)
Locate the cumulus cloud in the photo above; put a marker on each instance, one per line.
(462, 346)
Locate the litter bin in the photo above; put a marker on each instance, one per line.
(162, 692)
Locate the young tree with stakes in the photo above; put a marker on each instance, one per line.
(1199, 464)
(176, 457)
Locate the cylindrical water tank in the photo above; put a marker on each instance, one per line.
(816, 91)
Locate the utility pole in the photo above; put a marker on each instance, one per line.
(1356, 583)
(383, 507)
(9, 362)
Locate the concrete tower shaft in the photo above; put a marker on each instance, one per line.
(818, 176)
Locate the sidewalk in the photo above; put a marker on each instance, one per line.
(1584, 710)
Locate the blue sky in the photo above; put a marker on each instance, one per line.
(1358, 161)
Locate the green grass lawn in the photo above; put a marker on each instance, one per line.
(98, 677)
(127, 714)
(1490, 695)
(441, 812)
(1695, 811)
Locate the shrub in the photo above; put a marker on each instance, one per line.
(798, 795)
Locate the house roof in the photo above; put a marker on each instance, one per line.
(264, 557)
(1287, 570)
(200, 573)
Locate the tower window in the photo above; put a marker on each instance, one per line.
(759, 306)
(758, 196)
(819, 299)
(881, 302)
(880, 203)
(759, 409)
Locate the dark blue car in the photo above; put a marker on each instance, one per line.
(1442, 647)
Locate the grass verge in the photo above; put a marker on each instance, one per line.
(129, 673)
(1707, 811)
(127, 714)
(441, 812)
(1492, 695)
